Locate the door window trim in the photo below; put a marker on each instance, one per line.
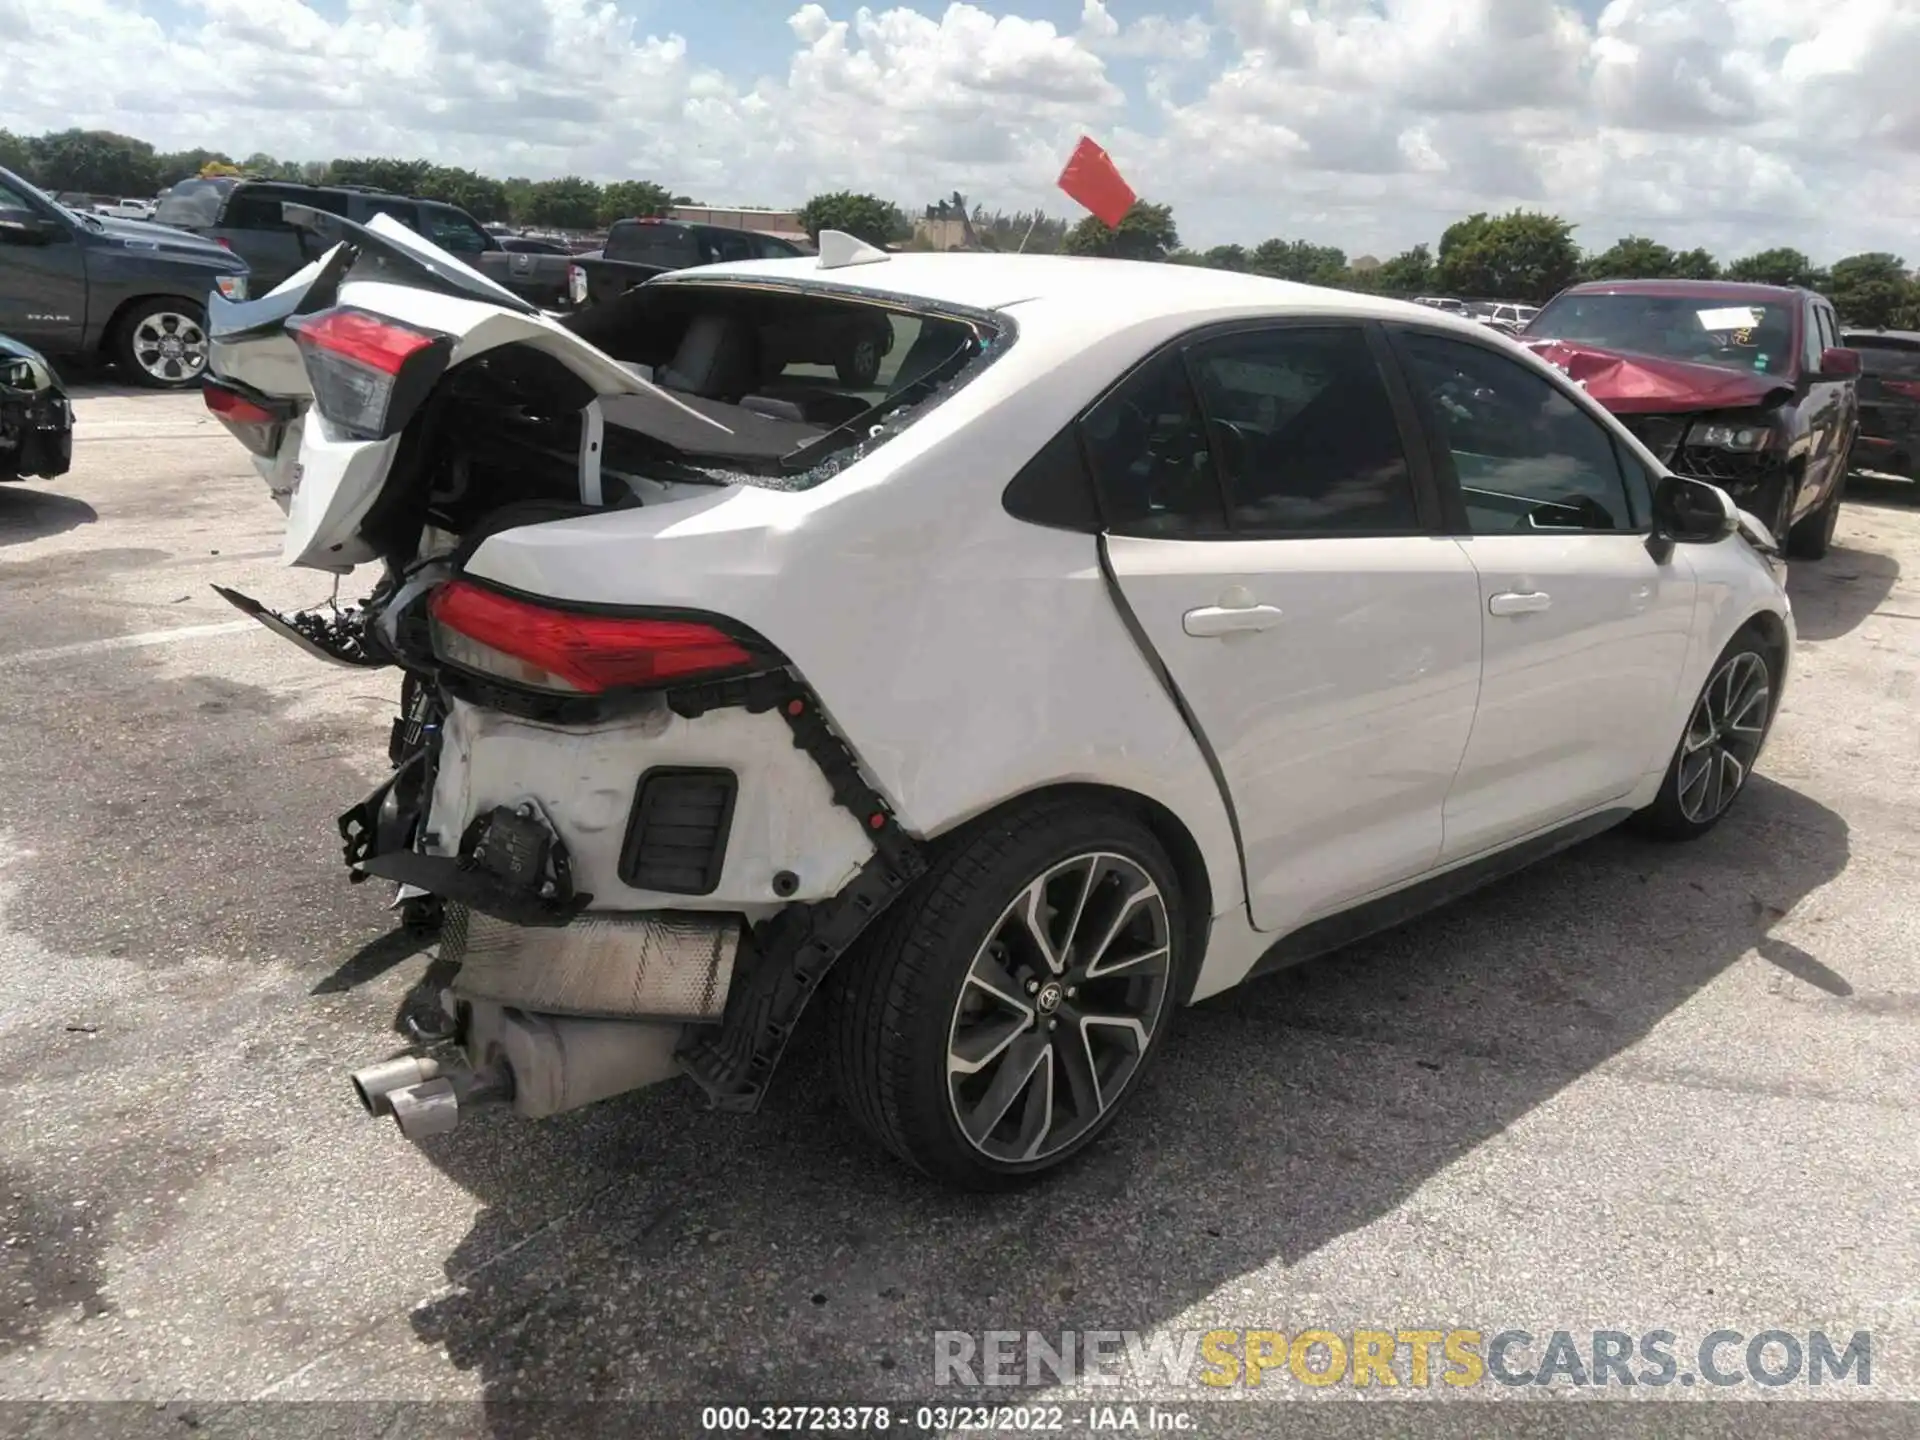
(1453, 496)
(1428, 495)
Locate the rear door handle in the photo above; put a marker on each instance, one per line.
(1210, 621)
(1519, 602)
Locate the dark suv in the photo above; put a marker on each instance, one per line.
(1889, 441)
(245, 217)
(1746, 386)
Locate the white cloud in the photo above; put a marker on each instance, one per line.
(1733, 124)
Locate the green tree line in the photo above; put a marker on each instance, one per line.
(1525, 255)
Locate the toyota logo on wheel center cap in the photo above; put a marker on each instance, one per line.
(1049, 998)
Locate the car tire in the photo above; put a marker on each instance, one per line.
(162, 344)
(1778, 510)
(1729, 720)
(950, 1021)
(859, 360)
(1810, 539)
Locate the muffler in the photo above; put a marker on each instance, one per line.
(541, 1064)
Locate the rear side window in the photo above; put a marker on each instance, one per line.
(1304, 433)
(645, 244)
(405, 211)
(1880, 355)
(718, 246)
(1265, 433)
(451, 230)
(252, 208)
(1148, 447)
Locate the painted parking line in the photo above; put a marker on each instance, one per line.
(128, 642)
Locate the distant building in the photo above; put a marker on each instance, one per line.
(782, 223)
(940, 234)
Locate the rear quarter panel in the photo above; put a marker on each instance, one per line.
(968, 657)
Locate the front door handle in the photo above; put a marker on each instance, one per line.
(1519, 602)
(1210, 621)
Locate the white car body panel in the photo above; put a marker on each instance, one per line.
(583, 779)
(1573, 697)
(1339, 728)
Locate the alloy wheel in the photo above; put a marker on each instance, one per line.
(1723, 737)
(1059, 1007)
(170, 346)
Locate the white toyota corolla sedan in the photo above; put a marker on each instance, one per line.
(1141, 629)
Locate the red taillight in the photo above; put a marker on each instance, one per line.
(234, 407)
(369, 340)
(251, 423)
(367, 372)
(223, 242)
(1905, 389)
(565, 651)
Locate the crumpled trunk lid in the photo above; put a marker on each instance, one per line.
(326, 480)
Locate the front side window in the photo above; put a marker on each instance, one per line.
(1527, 457)
(258, 209)
(1304, 433)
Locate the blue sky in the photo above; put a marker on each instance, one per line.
(1733, 124)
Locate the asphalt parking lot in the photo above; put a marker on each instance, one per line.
(1635, 1088)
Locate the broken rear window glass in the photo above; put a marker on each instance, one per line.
(803, 380)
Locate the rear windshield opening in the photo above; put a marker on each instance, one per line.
(802, 382)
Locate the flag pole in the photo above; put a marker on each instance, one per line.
(1029, 235)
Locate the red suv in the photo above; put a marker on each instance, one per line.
(1746, 386)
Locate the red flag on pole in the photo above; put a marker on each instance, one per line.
(1091, 179)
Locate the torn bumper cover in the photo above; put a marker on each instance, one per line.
(36, 422)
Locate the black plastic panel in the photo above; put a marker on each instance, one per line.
(677, 836)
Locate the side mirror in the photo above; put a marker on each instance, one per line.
(1839, 364)
(19, 228)
(1692, 512)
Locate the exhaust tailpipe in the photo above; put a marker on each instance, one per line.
(376, 1083)
(430, 1108)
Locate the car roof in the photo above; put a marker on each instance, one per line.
(1109, 295)
(1688, 289)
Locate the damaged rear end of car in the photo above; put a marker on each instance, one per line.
(642, 836)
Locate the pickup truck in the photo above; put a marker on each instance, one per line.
(1747, 387)
(638, 250)
(245, 216)
(131, 292)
